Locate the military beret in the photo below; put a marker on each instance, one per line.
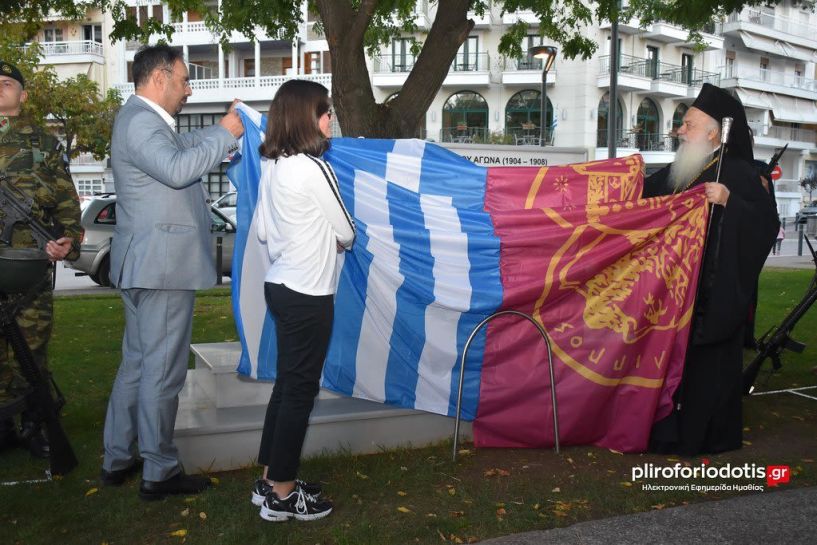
(11, 71)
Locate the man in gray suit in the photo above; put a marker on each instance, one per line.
(160, 254)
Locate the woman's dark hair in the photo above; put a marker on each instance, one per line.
(292, 122)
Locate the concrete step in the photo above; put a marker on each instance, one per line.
(221, 415)
(216, 375)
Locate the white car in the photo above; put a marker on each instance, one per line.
(98, 220)
(226, 204)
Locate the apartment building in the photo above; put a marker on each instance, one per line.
(79, 47)
(766, 55)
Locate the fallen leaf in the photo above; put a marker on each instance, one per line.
(747, 443)
(185, 512)
(403, 468)
(401, 493)
(456, 514)
(626, 483)
(614, 451)
(807, 460)
(464, 452)
(452, 491)
(455, 539)
(658, 506)
(91, 492)
(189, 500)
(404, 509)
(215, 480)
(536, 506)
(557, 489)
(203, 515)
(431, 515)
(361, 475)
(179, 533)
(501, 512)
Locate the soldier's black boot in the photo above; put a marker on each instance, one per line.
(8, 434)
(33, 437)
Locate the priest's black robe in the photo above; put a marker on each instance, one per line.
(708, 414)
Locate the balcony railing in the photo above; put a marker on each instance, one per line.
(87, 159)
(523, 63)
(784, 133)
(264, 82)
(645, 68)
(77, 47)
(393, 64)
(470, 62)
(771, 21)
(464, 134)
(764, 75)
(641, 141)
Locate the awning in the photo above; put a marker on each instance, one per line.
(793, 110)
(765, 44)
(755, 99)
(784, 108)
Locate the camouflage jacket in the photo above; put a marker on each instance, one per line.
(33, 161)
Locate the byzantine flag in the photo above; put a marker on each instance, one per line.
(443, 243)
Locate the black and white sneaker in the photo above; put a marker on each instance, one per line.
(298, 505)
(261, 489)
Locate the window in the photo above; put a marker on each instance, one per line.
(465, 118)
(523, 115)
(527, 61)
(402, 60)
(652, 62)
(686, 68)
(729, 71)
(602, 120)
(764, 69)
(647, 126)
(467, 59)
(52, 34)
(88, 187)
(92, 33)
(107, 216)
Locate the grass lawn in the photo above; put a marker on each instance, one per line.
(395, 497)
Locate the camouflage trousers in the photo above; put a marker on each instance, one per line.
(35, 320)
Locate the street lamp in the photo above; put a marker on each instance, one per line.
(548, 55)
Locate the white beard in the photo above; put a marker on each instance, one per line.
(690, 160)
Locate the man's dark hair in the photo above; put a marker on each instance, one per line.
(151, 57)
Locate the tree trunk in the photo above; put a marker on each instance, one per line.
(358, 112)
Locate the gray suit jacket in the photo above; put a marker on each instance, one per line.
(162, 235)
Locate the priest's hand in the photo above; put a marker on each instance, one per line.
(716, 193)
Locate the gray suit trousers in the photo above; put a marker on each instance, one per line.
(145, 395)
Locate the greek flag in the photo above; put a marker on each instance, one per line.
(423, 272)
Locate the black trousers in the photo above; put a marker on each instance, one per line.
(303, 326)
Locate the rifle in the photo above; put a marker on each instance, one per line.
(62, 457)
(773, 162)
(777, 339)
(16, 208)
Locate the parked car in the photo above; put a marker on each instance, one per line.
(805, 213)
(99, 219)
(226, 204)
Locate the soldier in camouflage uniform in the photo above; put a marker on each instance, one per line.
(33, 161)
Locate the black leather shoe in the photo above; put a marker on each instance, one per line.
(177, 484)
(117, 477)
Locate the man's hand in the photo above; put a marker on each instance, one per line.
(716, 193)
(232, 122)
(58, 249)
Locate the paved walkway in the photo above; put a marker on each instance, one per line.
(786, 516)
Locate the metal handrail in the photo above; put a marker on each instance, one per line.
(550, 370)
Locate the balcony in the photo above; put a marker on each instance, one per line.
(391, 70)
(775, 136)
(84, 163)
(770, 81)
(78, 51)
(763, 23)
(485, 21)
(655, 148)
(632, 74)
(262, 88)
(525, 16)
(469, 69)
(525, 71)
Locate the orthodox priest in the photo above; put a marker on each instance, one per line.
(708, 416)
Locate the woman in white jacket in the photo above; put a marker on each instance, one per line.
(305, 225)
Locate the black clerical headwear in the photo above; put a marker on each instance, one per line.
(717, 103)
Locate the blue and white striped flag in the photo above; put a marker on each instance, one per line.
(423, 272)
